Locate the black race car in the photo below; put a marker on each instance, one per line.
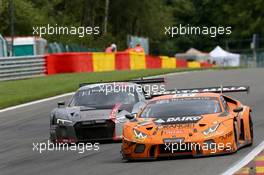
(97, 111)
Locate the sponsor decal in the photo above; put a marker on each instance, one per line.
(173, 132)
(226, 136)
(179, 126)
(187, 119)
(181, 97)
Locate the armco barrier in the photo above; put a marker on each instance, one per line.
(12, 68)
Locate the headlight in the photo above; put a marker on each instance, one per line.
(76, 115)
(139, 135)
(63, 121)
(211, 129)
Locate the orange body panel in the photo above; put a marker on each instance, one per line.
(146, 138)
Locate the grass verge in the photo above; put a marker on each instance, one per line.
(22, 91)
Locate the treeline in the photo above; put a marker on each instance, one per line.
(145, 18)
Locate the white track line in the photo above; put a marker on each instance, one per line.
(35, 102)
(250, 156)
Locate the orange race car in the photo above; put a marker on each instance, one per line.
(195, 122)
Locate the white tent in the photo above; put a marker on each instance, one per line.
(224, 58)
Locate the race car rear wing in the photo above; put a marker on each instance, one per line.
(221, 89)
(148, 81)
(137, 81)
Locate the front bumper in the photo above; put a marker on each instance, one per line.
(134, 150)
(83, 131)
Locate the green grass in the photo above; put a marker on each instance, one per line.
(22, 91)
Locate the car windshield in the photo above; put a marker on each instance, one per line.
(92, 97)
(181, 107)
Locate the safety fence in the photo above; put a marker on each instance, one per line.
(248, 60)
(31, 66)
(99, 61)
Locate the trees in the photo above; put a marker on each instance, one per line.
(138, 17)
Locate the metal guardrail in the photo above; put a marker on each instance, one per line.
(12, 68)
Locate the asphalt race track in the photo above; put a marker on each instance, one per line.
(21, 127)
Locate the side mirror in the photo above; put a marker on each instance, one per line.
(130, 116)
(148, 97)
(61, 104)
(238, 109)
